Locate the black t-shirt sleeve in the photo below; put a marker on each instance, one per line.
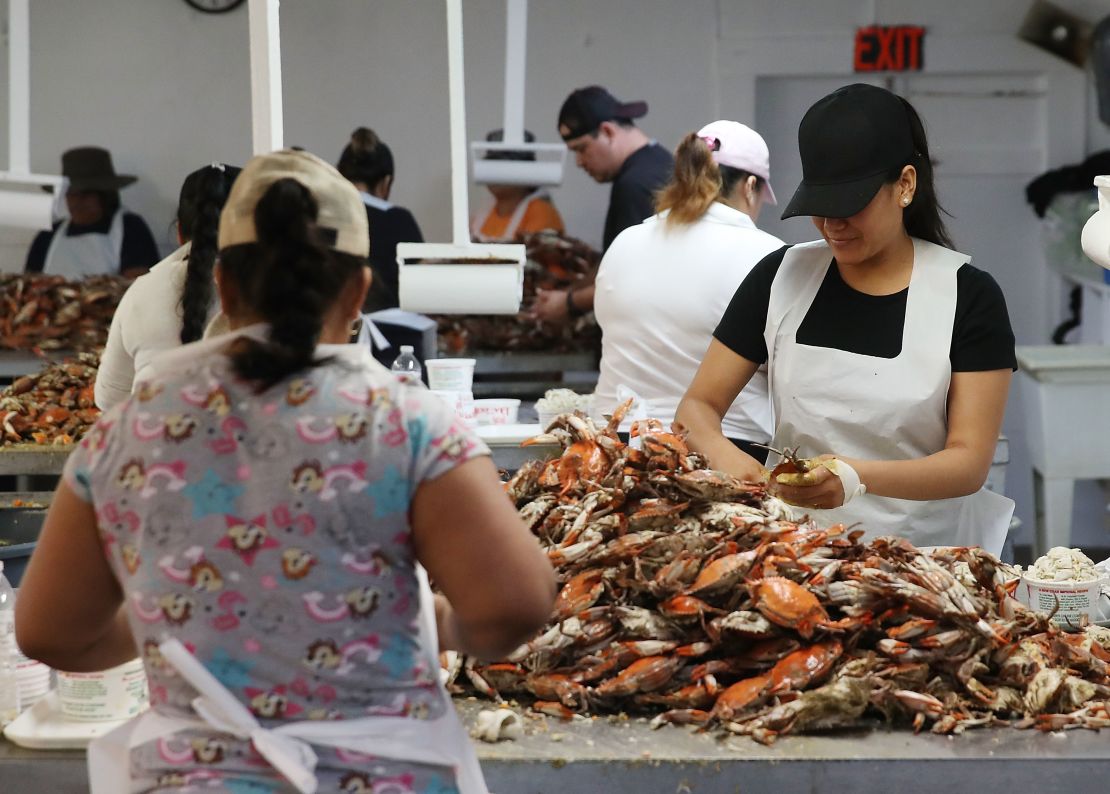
(745, 319)
(982, 338)
(630, 204)
(36, 255)
(138, 248)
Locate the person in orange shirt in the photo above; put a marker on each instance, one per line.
(517, 210)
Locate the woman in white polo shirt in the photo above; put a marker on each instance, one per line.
(664, 284)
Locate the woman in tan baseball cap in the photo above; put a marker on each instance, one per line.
(280, 495)
(100, 237)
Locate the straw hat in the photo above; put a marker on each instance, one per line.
(90, 168)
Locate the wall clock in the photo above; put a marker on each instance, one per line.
(214, 6)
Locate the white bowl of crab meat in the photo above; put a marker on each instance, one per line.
(1064, 582)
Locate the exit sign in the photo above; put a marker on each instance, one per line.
(900, 48)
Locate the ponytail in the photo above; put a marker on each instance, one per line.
(365, 158)
(922, 218)
(290, 278)
(698, 181)
(203, 195)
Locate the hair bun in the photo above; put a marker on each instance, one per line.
(364, 140)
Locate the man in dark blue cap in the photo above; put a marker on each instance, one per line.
(608, 146)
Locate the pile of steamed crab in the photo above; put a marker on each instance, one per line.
(54, 406)
(554, 262)
(40, 312)
(694, 598)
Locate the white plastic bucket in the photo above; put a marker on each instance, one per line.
(496, 412)
(461, 401)
(1076, 599)
(32, 678)
(450, 374)
(116, 694)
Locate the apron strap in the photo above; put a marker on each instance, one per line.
(293, 758)
(372, 335)
(59, 234)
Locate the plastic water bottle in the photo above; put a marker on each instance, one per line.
(9, 682)
(406, 366)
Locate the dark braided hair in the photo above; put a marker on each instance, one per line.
(290, 278)
(203, 194)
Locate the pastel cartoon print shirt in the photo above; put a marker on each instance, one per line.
(270, 534)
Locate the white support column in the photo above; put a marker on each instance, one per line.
(460, 199)
(19, 87)
(266, 110)
(516, 33)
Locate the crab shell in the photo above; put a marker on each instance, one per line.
(580, 593)
(643, 675)
(741, 696)
(806, 666)
(788, 604)
(723, 573)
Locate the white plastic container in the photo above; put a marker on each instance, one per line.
(496, 412)
(585, 406)
(116, 694)
(33, 679)
(450, 374)
(9, 652)
(1076, 599)
(461, 401)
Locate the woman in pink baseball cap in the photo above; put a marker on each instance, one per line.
(665, 283)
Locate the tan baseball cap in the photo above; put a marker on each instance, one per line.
(340, 207)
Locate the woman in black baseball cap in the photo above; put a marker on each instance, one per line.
(889, 355)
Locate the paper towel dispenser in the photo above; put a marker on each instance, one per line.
(450, 279)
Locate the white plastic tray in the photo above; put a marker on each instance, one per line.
(507, 435)
(44, 727)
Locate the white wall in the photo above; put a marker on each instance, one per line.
(167, 89)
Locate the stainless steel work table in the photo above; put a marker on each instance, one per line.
(615, 755)
(604, 755)
(33, 459)
(17, 363)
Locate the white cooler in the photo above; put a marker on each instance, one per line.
(1064, 391)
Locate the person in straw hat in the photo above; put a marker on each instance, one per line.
(100, 236)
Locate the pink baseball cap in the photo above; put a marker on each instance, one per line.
(738, 145)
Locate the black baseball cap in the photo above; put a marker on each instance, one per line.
(586, 108)
(849, 141)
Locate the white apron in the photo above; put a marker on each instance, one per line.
(858, 406)
(90, 254)
(442, 741)
(509, 235)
